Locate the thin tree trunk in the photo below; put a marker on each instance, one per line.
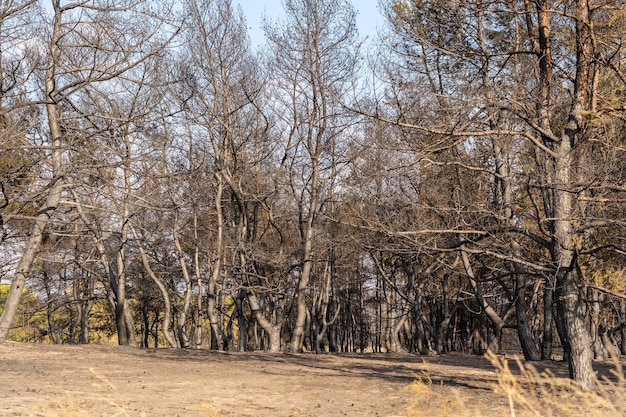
(612, 350)
(419, 336)
(491, 314)
(594, 324)
(307, 258)
(217, 334)
(272, 329)
(83, 337)
(548, 319)
(183, 334)
(623, 329)
(55, 188)
(323, 305)
(123, 317)
(18, 281)
(443, 317)
(526, 337)
(242, 322)
(167, 318)
(198, 333)
(303, 283)
(117, 278)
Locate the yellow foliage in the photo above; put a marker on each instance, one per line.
(610, 277)
(30, 318)
(617, 19)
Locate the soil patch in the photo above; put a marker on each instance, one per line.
(91, 380)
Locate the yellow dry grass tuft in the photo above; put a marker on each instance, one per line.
(207, 408)
(430, 399)
(544, 395)
(527, 394)
(428, 402)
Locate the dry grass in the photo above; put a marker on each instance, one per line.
(543, 394)
(531, 393)
(516, 389)
(429, 402)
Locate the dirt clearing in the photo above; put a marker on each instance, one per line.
(48, 380)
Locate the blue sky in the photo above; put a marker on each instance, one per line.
(368, 17)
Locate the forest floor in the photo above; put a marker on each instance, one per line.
(49, 380)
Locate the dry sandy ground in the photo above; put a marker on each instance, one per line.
(46, 380)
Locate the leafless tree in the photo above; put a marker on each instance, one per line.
(313, 53)
(87, 45)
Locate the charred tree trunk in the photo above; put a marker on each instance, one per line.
(242, 322)
(548, 319)
(524, 332)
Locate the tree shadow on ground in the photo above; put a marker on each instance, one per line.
(452, 369)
